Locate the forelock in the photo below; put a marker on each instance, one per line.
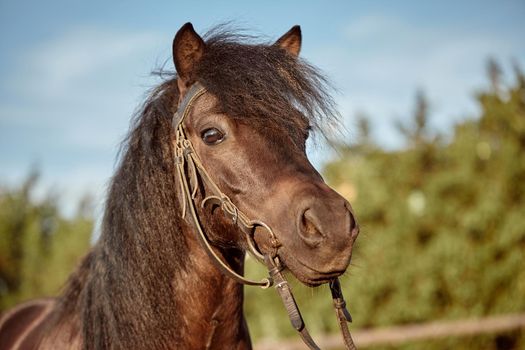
(262, 84)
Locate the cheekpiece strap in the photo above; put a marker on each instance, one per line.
(195, 91)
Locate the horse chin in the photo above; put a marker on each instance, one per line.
(309, 275)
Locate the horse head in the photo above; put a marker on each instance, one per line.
(249, 128)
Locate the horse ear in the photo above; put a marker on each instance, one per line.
(188, 48)
(291, 41)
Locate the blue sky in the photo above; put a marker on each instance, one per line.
(72, 72)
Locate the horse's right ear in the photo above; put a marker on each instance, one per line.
(188, 48)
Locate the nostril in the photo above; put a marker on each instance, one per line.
(308, 230)
(354, 226)
(352, 221)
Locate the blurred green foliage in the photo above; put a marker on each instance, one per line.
(442, 225)
(39, 248)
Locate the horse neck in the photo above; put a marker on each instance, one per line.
(210, 303)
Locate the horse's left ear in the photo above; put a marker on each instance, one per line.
(291, 41)
(188, 49)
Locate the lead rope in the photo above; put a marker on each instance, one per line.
(187, 159)
(343, 316)
(285, 292)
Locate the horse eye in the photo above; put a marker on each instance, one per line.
(212, 136)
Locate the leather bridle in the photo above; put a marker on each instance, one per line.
(190, 169)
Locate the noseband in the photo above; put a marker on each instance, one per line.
(189, 170)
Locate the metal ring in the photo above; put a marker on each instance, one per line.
(268, 281)
(263, 224)
(253, 247)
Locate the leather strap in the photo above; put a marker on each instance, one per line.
(343, 316)
(285, 292)
(195, 91)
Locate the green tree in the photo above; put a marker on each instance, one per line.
(38, 246)
(443, 224)
(417, 132)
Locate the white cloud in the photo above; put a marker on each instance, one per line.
(375, 25)
(54, 67)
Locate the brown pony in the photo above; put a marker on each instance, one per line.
(148, 283)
